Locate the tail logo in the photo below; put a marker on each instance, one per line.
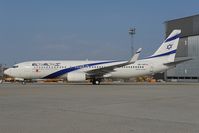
(169, 46)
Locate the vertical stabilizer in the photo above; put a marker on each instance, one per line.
(168, 47)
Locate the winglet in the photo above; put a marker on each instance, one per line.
(135, 57)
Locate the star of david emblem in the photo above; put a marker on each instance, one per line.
(169, 46)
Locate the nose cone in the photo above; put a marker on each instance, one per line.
(8, 72)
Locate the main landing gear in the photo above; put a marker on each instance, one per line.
(96, 82)
(23, 82)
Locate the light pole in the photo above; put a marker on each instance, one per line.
(1, 71)
(132, 33)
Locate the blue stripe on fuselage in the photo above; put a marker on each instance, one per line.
(67, 70)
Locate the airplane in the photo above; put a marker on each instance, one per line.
(96, 71)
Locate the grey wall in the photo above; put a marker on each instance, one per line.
(188, 46)
(193, 46)
(191, 68)
(188, 25)
(182, 50)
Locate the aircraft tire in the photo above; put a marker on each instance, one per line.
(96, 82)
(23, 83)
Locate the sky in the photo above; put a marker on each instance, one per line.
(84, 29)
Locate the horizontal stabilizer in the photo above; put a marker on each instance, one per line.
(179, 60)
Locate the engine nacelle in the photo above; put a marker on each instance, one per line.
(76, 76)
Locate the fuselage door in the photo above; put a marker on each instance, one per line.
(151, 69)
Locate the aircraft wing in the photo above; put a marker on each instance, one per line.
(108, 69)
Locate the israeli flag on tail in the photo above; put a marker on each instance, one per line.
(169, 47)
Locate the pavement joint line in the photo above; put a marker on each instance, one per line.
(130, 118)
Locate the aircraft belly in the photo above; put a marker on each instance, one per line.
(128, 73)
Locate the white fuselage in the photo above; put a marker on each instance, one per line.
(95, 71)
(60, 69)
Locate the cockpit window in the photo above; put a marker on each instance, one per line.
(15, 66)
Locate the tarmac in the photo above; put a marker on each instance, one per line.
(106, 108)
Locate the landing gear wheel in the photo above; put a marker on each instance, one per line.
(96, 82)
(23, 83)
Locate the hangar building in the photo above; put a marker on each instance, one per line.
(188, 47)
